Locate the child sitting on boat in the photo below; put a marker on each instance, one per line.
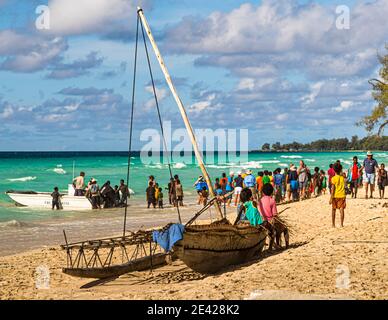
(248, 211)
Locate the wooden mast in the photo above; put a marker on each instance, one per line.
(180, 106)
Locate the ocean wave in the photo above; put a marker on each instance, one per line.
(381, 155)
(267, 161)
(310, 160)
(154, 166)
(59, 171)
(131, 191)
(215, 166)
(283, 164)
(23, 179)
(14, 224)
(179, 165)
(291, 157)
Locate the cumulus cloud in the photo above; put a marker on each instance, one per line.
(161, 94)
(104, 17)
(6, 112)
(29, 53)
(76, 68)
(262, 40)
(344, 105)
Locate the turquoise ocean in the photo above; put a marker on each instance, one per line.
(43, 171)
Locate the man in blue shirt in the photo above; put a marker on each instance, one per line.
(370, 166)
(278, 181)
(199, 185)
(250, 182)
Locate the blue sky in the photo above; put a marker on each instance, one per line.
(281, 69)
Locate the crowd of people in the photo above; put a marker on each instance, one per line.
(105, 196)
(293, 183)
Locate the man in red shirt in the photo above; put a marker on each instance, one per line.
(354, 173)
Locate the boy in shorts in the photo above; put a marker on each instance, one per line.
(338, 195)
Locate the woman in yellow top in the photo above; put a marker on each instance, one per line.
(338, 195)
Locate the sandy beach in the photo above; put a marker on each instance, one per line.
(312, 268)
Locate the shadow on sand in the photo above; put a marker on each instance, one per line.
(181, 273)
(263, 255)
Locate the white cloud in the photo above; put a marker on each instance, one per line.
(344, 105)
(7, 112)
(91, 16)
(262, 40)
(161, 94)
(246, 83)
(210, 102)
(282, 117)
(29, 53)
(314, 92)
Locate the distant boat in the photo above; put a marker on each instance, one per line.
(43, 200)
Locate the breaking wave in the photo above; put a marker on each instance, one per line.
(59, 171)
(23, 179)
(179, 165)
(291, 157)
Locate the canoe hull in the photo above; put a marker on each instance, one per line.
(209, 249)
(140, 264)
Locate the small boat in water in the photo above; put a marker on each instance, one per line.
(43, 200)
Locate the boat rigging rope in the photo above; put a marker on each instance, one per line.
(160, 121)
(131, 120)
(131, 125)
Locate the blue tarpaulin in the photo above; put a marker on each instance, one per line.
(167, 238)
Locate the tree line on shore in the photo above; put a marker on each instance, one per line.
(367, 143)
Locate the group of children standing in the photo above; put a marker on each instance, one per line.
(154, 193)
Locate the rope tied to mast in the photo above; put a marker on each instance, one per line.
(132, 116)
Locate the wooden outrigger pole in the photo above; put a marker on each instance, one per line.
(180, 106)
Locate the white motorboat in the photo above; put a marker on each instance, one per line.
(43, 200)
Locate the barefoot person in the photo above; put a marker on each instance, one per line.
(338, 196)
(354, 176)
(370, 165)
(302, 179)
(268, 209)
(238, 186)
(382, 180)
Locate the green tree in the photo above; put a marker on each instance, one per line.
(265, 147)
(276, 146)
(378, 117)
